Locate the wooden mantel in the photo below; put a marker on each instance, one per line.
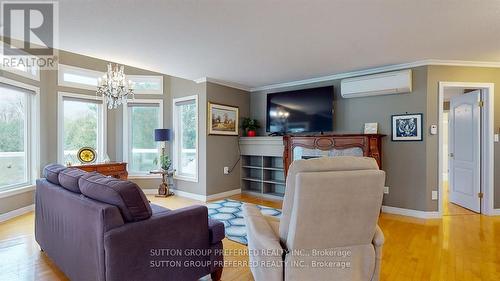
(370, 144)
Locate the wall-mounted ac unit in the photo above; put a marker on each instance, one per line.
(378, 84)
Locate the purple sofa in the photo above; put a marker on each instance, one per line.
(100, 228)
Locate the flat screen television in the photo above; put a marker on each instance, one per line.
(300, 111)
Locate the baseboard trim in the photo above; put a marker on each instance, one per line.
(194, 196)
(17, 212)
(223, 194)
(495, 212)
(410, 213)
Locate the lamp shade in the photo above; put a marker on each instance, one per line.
(162, 134)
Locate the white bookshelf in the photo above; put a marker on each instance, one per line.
(262, 171)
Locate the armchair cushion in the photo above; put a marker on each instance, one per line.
(216, 231)
(126, 195)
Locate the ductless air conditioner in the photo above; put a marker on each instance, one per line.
(378, 84)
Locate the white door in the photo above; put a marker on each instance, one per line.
(465, 150)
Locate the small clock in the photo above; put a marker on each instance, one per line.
(86, 155)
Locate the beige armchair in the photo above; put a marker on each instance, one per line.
(328, 229)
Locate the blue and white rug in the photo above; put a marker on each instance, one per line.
(229, 212)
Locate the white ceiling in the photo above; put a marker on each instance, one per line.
(261, 42)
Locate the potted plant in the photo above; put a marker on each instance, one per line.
(250, 126)
(164, 161)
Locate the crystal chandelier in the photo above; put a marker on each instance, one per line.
(114, 86)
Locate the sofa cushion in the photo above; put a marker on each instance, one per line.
(125, 195)
(51, 172)
(69, 179)
(216, 231)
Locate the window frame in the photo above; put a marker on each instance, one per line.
(64, 69)
(175, 144)
(126, 133)
(25, 74)
(134, 78)
(32, 135)
(101, 126)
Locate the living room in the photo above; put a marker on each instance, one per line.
(249, 141)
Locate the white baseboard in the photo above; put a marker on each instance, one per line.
(17, 212)
(494, 212)
(223, 194)
(195, 196)
(410, 213)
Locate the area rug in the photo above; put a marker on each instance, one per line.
(230, 213)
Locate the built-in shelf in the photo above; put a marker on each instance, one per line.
(262, 170)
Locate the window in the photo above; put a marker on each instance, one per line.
(186, 138)
(17, 123)
(71, 76)
(141, 118)
(147, 84)
(81, 124)
(32, 72)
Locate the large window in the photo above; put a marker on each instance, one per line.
(17, 154)
(141, 118)
(31, 72)
(186, 138)
(81, 124)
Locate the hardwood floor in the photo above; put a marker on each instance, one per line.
(458, 247)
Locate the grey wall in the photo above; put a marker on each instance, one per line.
(222, 151)
(404, 162)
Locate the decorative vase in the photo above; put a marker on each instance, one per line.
(251, 133)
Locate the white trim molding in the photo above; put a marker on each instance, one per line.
(16, 191)
(223, 83)
(410, 213)
(223, 194)
(374, 71)
(17, 212)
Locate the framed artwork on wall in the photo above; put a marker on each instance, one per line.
(223, 120)
(407, 127)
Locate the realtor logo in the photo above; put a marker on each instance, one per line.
(30, 30)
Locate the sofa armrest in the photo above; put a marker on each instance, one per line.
(263, 245)
(378, 242)
(165, 247)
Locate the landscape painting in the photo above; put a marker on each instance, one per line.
(223, 119)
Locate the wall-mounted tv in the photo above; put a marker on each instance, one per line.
(300, 111)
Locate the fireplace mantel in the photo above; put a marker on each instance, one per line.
(369, 144)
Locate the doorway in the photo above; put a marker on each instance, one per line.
(465, 143)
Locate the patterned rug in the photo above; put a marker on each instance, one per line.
(229, 212)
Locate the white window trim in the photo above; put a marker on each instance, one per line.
(147, 77)
(101, 143)
(25, 74)
(33, 135)
(62, 69)
(175, 144)
(126, 132)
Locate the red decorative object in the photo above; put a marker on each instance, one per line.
(251, 133)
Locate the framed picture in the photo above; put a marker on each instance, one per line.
(407, 127)
(371, 128)
(223, 120)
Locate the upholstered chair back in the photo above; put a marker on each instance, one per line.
(331, 193)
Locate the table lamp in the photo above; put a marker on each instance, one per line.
(162, 135)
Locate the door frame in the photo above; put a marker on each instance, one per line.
(487, 139)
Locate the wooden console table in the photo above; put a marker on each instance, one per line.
(114, 169)
(370, 144)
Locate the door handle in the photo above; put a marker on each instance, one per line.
(451, 155)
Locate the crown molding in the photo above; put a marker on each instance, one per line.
(377, 70)
(223, 83)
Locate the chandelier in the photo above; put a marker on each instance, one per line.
(113, 86)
